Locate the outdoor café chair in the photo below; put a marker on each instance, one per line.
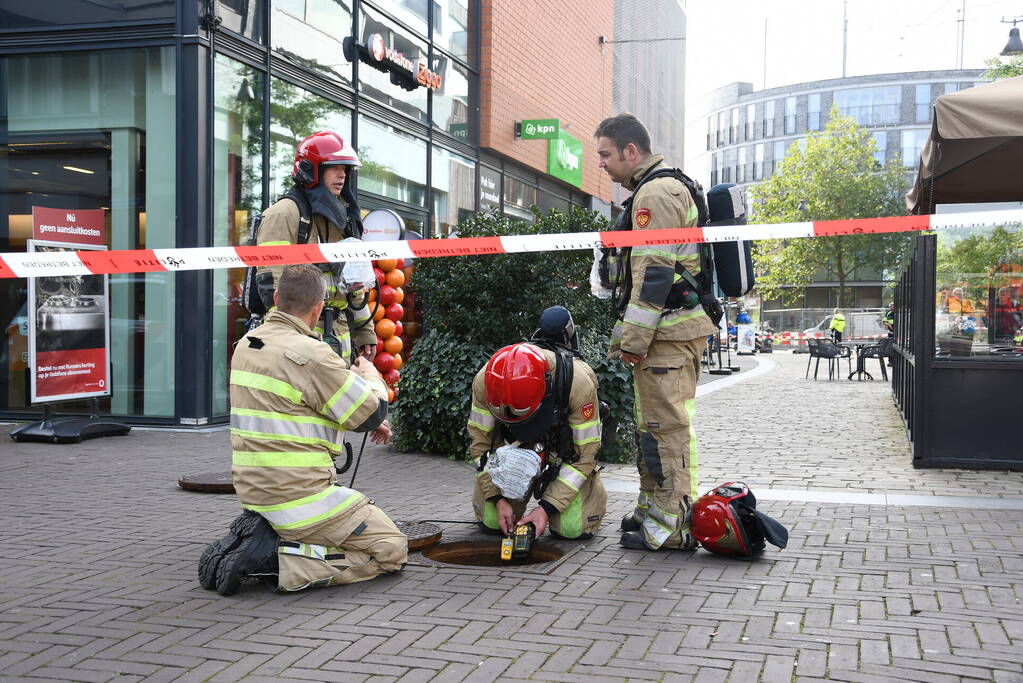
(881, 350)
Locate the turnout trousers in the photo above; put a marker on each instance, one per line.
(580, 519)
(349, 550)
(665, 386)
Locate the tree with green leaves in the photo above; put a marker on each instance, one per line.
(835, 177)
(998, 68)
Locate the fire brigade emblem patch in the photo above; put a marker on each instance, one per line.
(588, 411)
(642, 218)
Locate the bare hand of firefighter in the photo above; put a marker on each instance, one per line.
(538, 516)
(505, 516)
(368, 351)
(365, 369)
(382, 434)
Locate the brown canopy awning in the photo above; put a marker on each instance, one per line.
(975, 150)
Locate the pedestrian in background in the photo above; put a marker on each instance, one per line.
(837, 325)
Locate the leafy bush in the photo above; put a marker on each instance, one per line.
(474, 306)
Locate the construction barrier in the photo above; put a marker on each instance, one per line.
(49, 264)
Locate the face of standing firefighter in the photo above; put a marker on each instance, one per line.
(333, 178)
(618, 163)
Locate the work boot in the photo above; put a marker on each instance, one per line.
(254, 554)
(633, 540)
(630, 523)
(214, 553)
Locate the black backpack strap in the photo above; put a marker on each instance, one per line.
(305, 211)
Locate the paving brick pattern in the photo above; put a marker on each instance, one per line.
(99, 548)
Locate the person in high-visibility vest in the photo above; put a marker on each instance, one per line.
(837, 325)
(889, 320)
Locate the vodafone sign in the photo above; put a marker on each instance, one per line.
(410, 75)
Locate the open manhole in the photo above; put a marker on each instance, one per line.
(484, 553)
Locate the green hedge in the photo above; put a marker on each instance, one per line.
(474, 306)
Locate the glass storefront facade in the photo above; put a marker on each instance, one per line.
(181, 142)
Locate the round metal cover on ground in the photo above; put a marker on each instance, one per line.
(487, 553)
(207, 482)
(420, 534)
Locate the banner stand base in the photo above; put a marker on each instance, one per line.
(69, 430)
(721, 371)
(733, 368)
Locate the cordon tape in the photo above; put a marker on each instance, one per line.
(98, 262)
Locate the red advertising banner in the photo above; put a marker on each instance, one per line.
(69, 330)
(77, 226)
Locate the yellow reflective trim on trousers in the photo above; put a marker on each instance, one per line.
(287, 438)
(690, 406)
(271, 385)
(277, 459)
(314, 502)
(275, 243)
(306, 419)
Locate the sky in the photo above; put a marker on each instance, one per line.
(725, 41)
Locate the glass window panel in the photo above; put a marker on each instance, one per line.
(790, 114)
(870, 106)
(296, 113)
(912, 144)
(881, 142)
(923, 103)
(378, 84)
(758, 161)
(979, 290)
(453, 112)
(237, 197)
(751, 118)
(951, 88)
(413, 13)
(769, 118)
(454, 28)
(96, 130)
(393, 162)
(519, 197)
(20, 13)
(244, 17)
(309, 34)
(813, 105)
(454, 190)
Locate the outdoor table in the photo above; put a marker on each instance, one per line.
(861, 362)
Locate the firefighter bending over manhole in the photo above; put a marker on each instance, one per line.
(535, 427)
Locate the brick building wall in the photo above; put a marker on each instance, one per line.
(542, 59)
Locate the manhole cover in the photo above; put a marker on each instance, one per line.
(420, 534)
(483, 552)
(207, 482)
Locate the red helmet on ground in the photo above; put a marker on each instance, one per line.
(322, 148)
(515, 382)
(726, 521)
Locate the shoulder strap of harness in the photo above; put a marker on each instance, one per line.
(305, 210)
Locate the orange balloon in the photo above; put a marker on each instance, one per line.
(395, 278)
(380, 313)
(393, 344)
(398, 362)
(385, 328)
(387, 264)
(399, 295)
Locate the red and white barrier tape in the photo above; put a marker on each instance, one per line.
(48, 264)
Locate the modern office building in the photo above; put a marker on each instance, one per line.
(176, 121)
(745, 133)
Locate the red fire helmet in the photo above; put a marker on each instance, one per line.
(515, 382)
(322, 148)
(723, 522)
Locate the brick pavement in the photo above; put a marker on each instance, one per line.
(99, 547)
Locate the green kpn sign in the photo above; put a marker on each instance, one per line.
(565, 158)
(540, 129)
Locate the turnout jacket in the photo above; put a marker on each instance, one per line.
(279, 227)
(292, 398)
(659, 203)
(583, 418)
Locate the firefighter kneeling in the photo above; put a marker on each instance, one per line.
(536, 412)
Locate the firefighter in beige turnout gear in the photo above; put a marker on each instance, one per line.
(662, 344)
(511, 404)
(322, 173)
(292, 398)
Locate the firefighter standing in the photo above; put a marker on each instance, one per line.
(515, 400)
(323, 182)
(292, 398)
(662, 344)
